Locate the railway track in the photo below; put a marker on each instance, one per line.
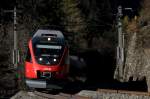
(85, 94)
(41, 95)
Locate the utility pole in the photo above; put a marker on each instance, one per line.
(120, 47)
(15, 49)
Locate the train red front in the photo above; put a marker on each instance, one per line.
(47, 60)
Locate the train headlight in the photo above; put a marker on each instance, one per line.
(55, 60)
(49, 39)
(40, 59)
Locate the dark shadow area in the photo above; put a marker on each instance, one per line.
(99, 71)
(8, 84)
(100, 66)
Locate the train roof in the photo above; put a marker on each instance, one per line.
(42, 35)
(49, 33)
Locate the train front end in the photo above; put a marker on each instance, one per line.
(47, 61)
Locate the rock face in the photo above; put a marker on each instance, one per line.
(6, 40)
(137, 59)
(137, 48)
(8, 81)
(8, 85)
(134, 60)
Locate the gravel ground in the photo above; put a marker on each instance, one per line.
(110, 95)
(85, 94)
(26, 95)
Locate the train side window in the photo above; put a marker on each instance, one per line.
(28, 57)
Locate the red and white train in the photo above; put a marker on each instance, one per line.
(47, 60)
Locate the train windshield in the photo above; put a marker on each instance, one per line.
(47, 54)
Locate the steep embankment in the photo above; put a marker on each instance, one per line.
(137, 54)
